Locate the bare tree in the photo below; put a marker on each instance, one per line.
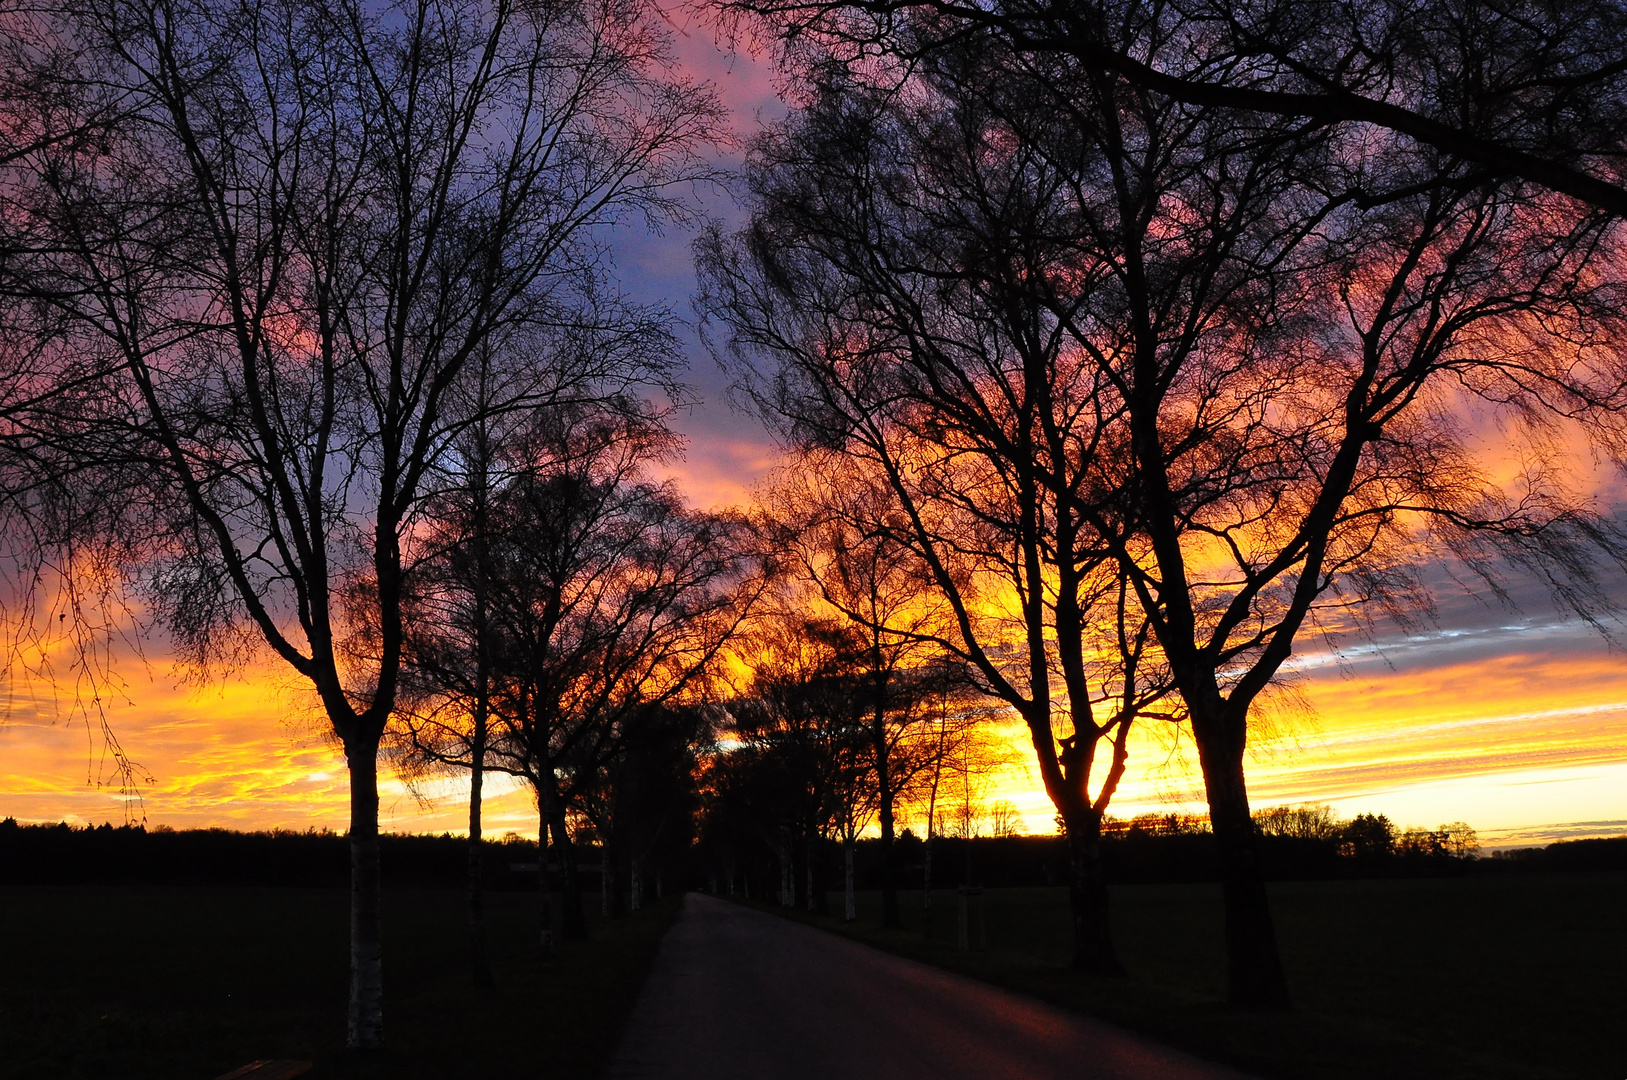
(471, 572)
(273, 270)
(608, 598)
(877, 589)
(1296, 437)
(448, 651)
(896, 271)
(798, 719)
(1270, 333)
(1309, 822)
(64, 616)
(1299, 324)
(954, 722)
(1004, 819)
(1459, 840)
(1534, 89)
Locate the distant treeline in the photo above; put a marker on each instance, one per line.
(132, 854)
(1188, 854)
(1296, 844)
(998, 862)
(1152, 849)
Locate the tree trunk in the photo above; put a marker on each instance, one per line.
(618, 897)
(545, 936)
(479, 963)
(813, 892)
(1254, 975)
(891, 918)
(818, 900)
(850, 910)
(1093, 950)
(574, 920)
(635, 887)
(786, 880)
(366, 1017)
(926, 884)
(797, 859)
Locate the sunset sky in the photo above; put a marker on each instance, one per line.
(1513, 719)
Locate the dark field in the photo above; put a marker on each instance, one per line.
(1472, 978)
(1467, 977)
(188, 983)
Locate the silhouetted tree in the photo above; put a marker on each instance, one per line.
(608, 599)
(1534, 90)
(449, 651)
(1368, 837)
(797, 717)
(1004, 819)
(956, 743)
(260, 285)
(895, 668)
(1309, 822)
(1252, 346)
(895, 271)
(1459, 840)
(644, 804)
(1291, 350)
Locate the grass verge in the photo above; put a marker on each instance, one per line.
(188, 983)
(1478, 979)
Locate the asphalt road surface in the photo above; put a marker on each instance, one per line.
(736, 993)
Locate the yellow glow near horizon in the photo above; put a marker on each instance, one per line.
(1527, 745)
(1520, 730)
(1525, 740)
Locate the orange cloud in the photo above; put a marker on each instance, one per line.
(1524, 737)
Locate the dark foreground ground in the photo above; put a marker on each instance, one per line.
(1474, 978)
(129, 983)
(736, 994)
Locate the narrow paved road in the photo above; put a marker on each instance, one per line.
(739, 994)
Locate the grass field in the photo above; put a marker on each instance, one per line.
(188, 983)
(1465, 977)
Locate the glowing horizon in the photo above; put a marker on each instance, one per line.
(1514, 723)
